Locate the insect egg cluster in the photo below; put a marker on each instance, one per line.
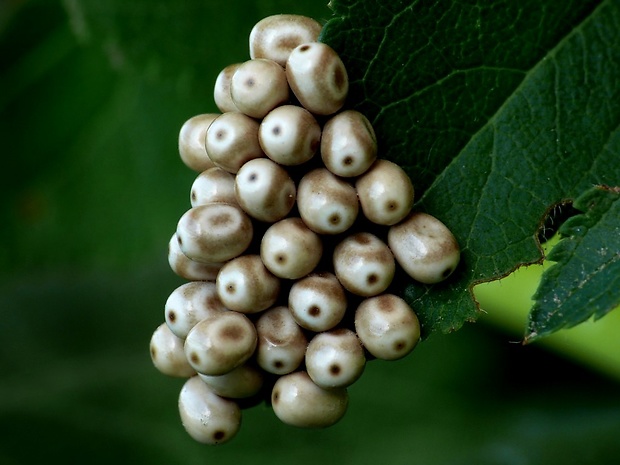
(288, 292)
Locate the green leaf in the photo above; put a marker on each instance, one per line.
(586, 278)
(497, 110)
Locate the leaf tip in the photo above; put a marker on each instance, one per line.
(530, 337)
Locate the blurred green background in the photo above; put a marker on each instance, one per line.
(92, 96)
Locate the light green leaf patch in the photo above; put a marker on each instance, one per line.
(497, 110)
(585, 280)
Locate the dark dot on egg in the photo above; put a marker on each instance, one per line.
(391, 206)
(339, 78)
(314, 311)
(399, 345)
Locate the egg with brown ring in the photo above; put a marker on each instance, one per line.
(289, 135)
(318, 78)
(221, 90)
(348, 144)
(291, 250)
(335, 358)
(214, 233)
(242, 382)
(274, 37)
(298, 401)
(326, 203)
(232, 140)
(191, 142)
(258, 86)
(385, 192)
(213, 185)
(424, 247)
(245, 285)
(318, 302)
(220, 343)
(387, 326)
(364, 264)
(167, 353)
(189, 269)
(207, 417)
(190, 303)
(281, 341)
(264, 190)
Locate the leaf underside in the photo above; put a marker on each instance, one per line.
(497, 110)
(585, 281)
